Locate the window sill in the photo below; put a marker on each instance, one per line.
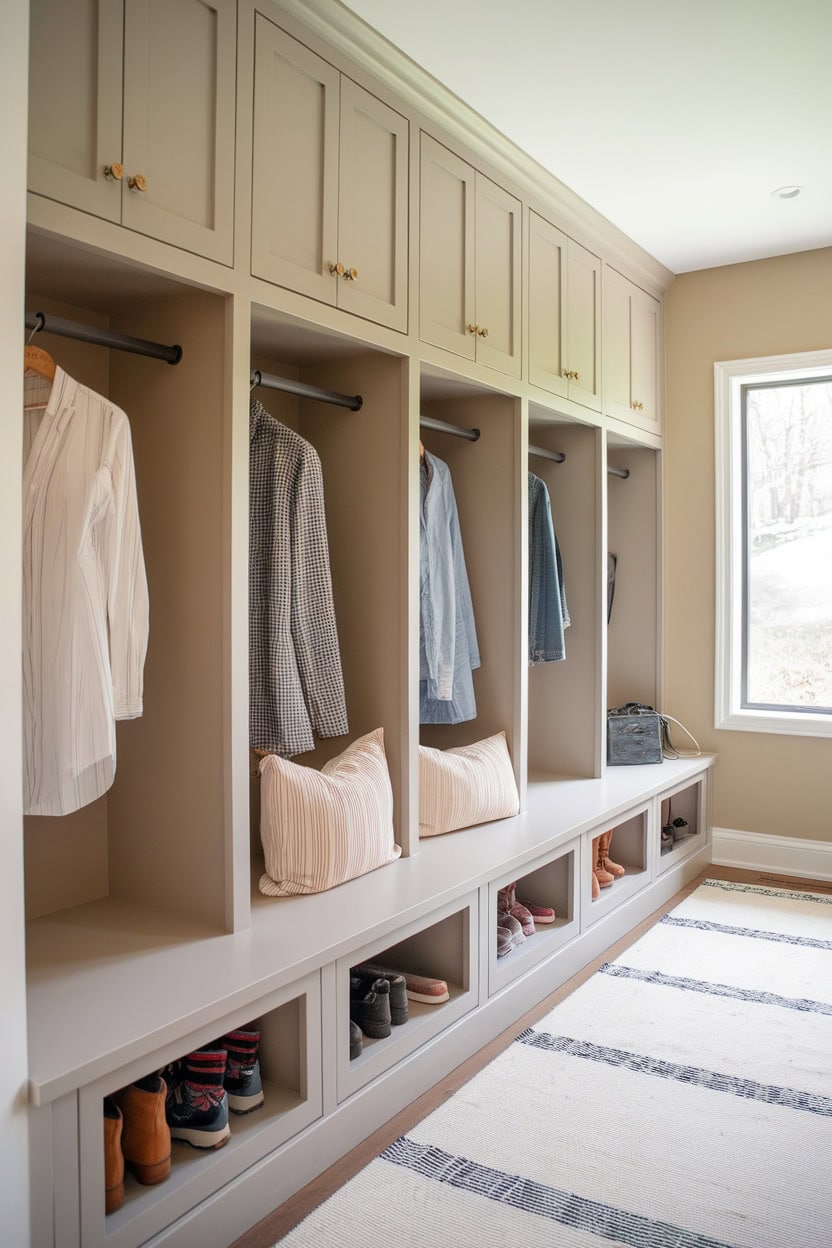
(786, 723)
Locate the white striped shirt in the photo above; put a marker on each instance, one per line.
(85, 603)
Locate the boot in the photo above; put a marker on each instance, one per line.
(145, 1138)
(600, 878)
(242, 1071)
(614, 868)
(113, 1157)
(508, 903)
(197, 1107)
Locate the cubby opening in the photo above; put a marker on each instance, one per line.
(486, 484)
(629, 849)
(678, 839)
(563, 695)
(441, 950)
(553, 884)
(364, 479)
(155, 843)
(634, 538)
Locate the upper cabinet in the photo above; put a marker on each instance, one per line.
(131, 115)
(329, 183)
(564, 315)
(469, 261)
(632, 353)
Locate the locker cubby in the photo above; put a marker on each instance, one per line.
(444, 947)
(563, 728)
(364, 474)
(634, 528)
(686, 802)
(290, 1060)
(155, 845)
(629, 848)
(549, 883)
(485, 480)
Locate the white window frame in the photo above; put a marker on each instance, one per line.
(729, 378)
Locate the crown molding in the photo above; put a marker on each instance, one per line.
(344, 30)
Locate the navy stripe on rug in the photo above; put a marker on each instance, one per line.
(753, 995)
(695, 1076)
(779, 893)
(566, 1208)
(728, 929)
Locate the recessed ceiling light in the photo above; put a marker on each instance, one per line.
(787, 192)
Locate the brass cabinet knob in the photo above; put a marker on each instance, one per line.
(114, 172)
(138, 182)
(637, 406)
(337, 270)
(571, 374)
(350, 275)
(576, 376)
(483, 333)
(473, 329)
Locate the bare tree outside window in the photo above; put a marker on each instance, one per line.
(787, 444)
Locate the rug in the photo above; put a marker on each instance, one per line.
(681, 1098)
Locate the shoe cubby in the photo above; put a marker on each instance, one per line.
(551, 883)
(634, 528)
(629, 848)
(150, 853)
(563, 716)
(362, 455)
(689, 804)
(486, 483)
(289, 1022)
(443, 947)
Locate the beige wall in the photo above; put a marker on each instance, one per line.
(764, 782)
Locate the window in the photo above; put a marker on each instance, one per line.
(774, 544)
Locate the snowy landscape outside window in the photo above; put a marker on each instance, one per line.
(774, 544)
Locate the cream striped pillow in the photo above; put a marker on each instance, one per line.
(467, 785)
(320, 828)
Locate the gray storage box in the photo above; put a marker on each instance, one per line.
(634, 735)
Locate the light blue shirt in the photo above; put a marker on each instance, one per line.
(448, 649)
(548, 614)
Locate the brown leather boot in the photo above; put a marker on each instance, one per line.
(113, 1157)
(600, 878)
(145, 1139)
(614, 868)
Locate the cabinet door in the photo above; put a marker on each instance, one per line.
(497, 277)
(618, 394)
(372, 207)
(584, 326)
(75, 102)
(294, 228)
(547, 305)
(646, 355)
(446, 250)
(179, 103)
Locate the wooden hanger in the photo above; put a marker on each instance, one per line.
(36, 360)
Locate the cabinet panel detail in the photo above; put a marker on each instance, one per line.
(446, 250)
(497, 277)
(547, 304)
(584, 329)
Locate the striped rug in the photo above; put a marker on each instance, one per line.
(681, 1098)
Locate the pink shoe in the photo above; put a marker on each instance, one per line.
(508, 904)
(539, 914)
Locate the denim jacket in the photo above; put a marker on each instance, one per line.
(448, 647)
(548, 614)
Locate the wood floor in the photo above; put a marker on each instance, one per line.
(281, 1220)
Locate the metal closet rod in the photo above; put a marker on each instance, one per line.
(272, 382)
(542, 453)
(442, 426)
(618, 472)
(43, 321)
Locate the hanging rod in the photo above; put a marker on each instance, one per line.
(42, 321)
(542, 453)
(353, 401)
(618, 472)
(442, 426)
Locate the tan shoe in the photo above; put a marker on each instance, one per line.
(113, 1157)
(145, 1138)
(614, 868)
(601, 877)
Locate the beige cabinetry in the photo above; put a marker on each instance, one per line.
(564, 315)
(131, 108)
(632, 353)
(469, 261)
(329, 183)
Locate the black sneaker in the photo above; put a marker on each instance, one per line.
(372, 1012)
(369, 976)
(356, 1042)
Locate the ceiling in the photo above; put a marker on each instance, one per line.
(674, 119)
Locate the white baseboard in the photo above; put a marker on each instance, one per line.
(755, 851)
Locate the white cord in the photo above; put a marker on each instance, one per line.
(682, 753)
